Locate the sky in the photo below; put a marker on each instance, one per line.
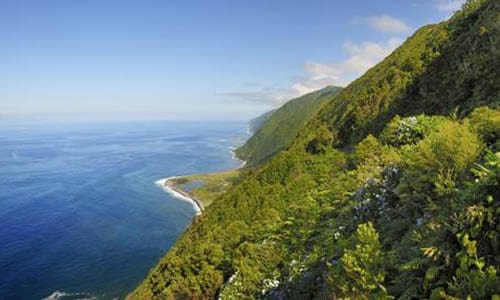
(186, 60)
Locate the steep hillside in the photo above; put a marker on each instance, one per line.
(453, 65)
(282, 126)
(258, 122)
(391, 190)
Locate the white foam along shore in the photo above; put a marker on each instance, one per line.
(59, 295)
(197, 206)
(163, 184)
(234, 157)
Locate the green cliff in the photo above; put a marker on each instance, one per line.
(280, 128)
(391, 190)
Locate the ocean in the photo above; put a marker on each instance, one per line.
(80, 214)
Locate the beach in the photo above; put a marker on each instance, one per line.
(167, 185)
(218, 181)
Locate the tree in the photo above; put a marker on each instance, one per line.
(360, 272)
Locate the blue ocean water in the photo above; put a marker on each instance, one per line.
(79, 211)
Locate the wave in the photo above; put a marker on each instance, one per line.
(162, 183)
(249, 131)
(60, 295)
(234, 157)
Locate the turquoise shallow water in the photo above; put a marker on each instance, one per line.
(79, 210)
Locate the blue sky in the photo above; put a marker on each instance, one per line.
(191, 59)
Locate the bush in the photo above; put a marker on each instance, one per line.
(361, 272)
(408, 131)
(450, 150)
(486, 122)
(371, 157)
(376, 195)
(452, 147)
(323, 138)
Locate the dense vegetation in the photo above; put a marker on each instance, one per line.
(391, 190)
(278, 131)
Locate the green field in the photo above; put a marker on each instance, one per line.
(207, 186)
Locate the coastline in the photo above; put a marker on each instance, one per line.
(169, 186)
(234, 157)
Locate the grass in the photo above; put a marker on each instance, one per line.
(206, 187)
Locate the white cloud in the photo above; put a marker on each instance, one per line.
(447, 6)
(387, 24)
(360, 57)
(265, 94)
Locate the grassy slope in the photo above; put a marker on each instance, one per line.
(281, 128)
(294, 219)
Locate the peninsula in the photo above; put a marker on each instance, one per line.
(199, 189)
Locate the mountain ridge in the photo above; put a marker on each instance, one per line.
(256, 123)
(279, 129)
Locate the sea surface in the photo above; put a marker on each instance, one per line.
(80, 215)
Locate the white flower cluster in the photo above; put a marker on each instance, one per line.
(372, 197)
(231, 289)
(407, 130)
(338, 233)
(269, 284)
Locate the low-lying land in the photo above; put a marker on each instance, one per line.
(204, 188)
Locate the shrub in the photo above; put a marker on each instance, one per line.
(371, 157)
(362, 266)
(376, 195)
(323, 138)
(452, 147)
(408, 131)
(486, 122)
(451, 150)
